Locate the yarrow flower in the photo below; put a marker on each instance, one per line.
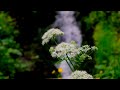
(71, 52)
(80, 75)
(50, 34)
(63, 50)
(86, 48)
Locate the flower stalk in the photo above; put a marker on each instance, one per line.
(68, 51)
(70, 62)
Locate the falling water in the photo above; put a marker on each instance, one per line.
(65, 21)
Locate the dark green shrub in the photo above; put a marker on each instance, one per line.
(106, 38)
(10, 51)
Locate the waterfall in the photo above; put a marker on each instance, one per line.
(66, 22)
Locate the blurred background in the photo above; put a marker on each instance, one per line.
(22, 55)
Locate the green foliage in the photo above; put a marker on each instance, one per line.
(106, 38)
(7, 26)
(94, 18)
(10, 51)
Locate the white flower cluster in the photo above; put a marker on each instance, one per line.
(87, 48)
(51, 33)
(63, 50)
(68, 51)
(71, 50)
(80, 75)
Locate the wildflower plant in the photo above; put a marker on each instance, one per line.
(70, 52)
(50, 34)
(80, 75)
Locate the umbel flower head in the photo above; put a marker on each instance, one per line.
(80, 75)
(63, 50)
(50, 34)
(86, 48)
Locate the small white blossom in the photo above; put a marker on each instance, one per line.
(51, 49)
(85, 48)
(51, 33)
(45, 41)
(63, 49)
(54, 54)
(80, 75)
(89, 57)
(94, 48)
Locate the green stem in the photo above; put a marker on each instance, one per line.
(54, 40)
(69, 65)
(90, 52)
(70, 61)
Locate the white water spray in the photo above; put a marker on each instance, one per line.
(65, 21)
